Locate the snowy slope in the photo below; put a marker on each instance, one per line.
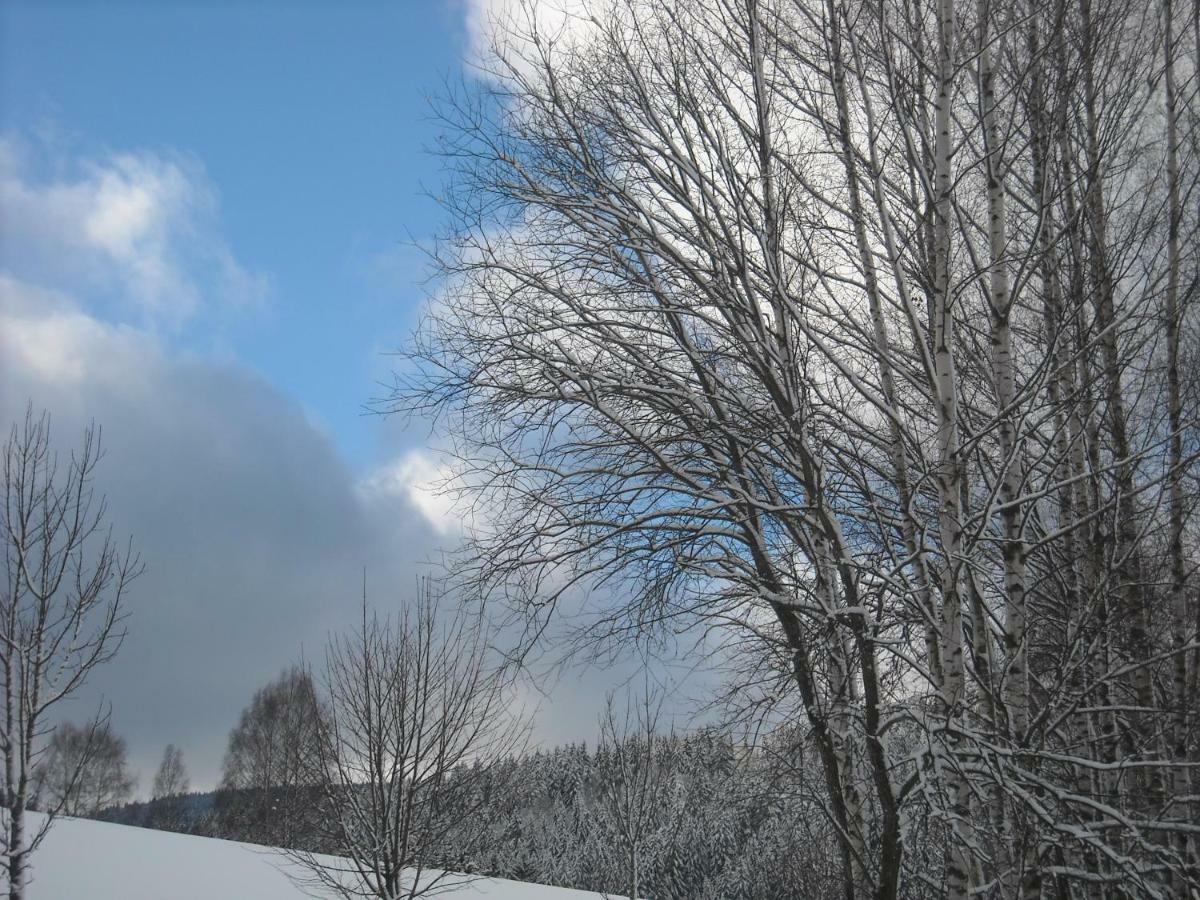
(86, 860)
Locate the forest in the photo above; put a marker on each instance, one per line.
(719, 820)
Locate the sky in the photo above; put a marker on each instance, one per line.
(211, 216)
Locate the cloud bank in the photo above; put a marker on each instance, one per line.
(254, 531)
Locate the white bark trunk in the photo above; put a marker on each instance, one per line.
(950, 468)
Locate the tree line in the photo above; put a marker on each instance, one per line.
(642, 812)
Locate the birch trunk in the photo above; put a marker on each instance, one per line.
(1015, 684)
(950, 471)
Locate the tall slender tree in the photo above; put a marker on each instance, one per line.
(636, 777)
(61, 612)
(171, 778)
(270, 771)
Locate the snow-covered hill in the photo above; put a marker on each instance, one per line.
(85, 860)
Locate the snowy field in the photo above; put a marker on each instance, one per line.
(85, 860)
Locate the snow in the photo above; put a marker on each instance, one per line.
(85, 860)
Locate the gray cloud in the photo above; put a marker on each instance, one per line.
(254, 532)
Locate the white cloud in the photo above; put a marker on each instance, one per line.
(509, 26)
(420, 480)
(45, 334)
(140, 228)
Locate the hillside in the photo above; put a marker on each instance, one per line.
(91, 860)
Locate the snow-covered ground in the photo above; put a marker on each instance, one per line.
(86, 860)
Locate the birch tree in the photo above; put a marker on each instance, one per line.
(168, 805)
(270, 775)
(171, 780)
(847, 328)
(84, 771)
(61, 614)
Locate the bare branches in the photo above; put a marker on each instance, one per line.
(414, 711)
(635, 768)
(270, 769)
(61, 610)
(839, 326)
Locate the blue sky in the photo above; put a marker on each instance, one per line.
(310, 128)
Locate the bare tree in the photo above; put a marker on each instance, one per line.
(270, 768)
(636, 764)
(414, 716)
(84, 771)
(168, 807)
(61, 609)
(856, 328)
(171, 778)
